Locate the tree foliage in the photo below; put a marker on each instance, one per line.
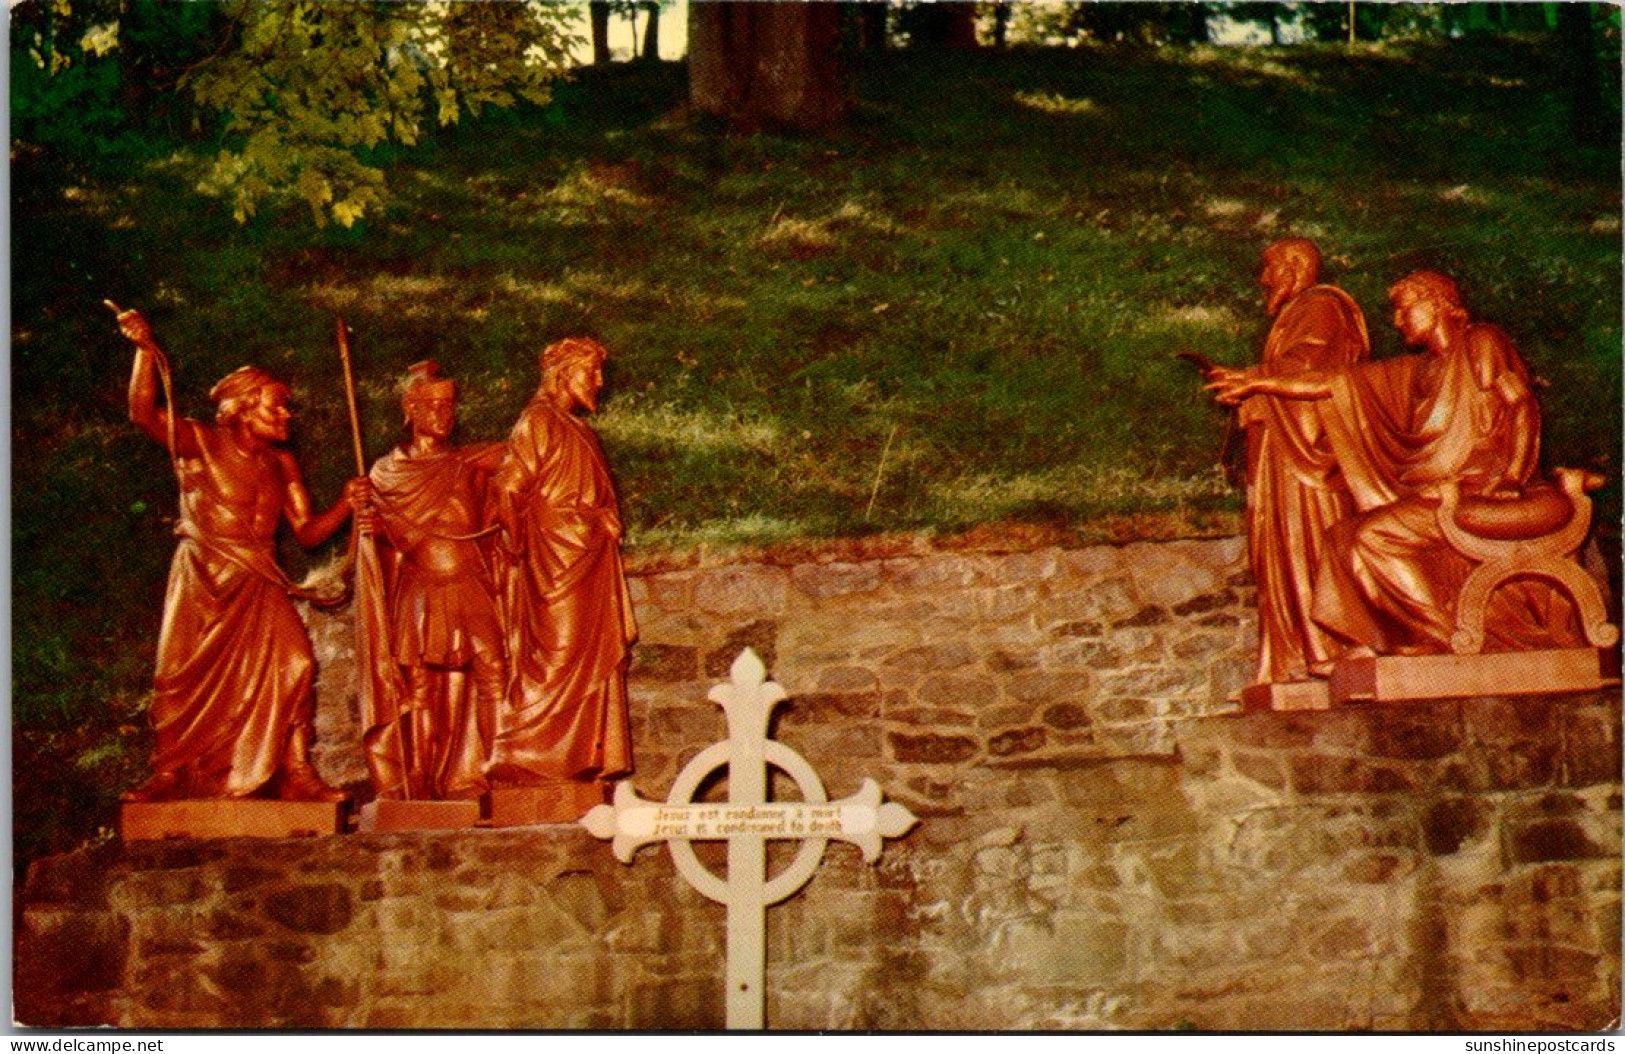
(1144, 23)
(306, 89)
(88, 75)
(301, 95)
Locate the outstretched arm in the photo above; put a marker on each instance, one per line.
(502, 503)
(312, 529)
(1231, 386)
(145, 413)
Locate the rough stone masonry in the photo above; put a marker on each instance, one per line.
(1105, 842)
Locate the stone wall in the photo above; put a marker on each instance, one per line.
(1104, 842)
(910, 667)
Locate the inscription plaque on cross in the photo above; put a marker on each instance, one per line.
(746, 822)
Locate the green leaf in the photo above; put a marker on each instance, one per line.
(311, 84)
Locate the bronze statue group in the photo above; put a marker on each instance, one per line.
(493, 624)
(1350, 461)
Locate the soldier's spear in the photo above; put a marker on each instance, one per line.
(349, 392)
(362, 636)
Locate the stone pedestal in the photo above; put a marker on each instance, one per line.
(228, 818)
(1400, 678)
(563, 802)
(1415, 678)
(385, 816)
(1293, 695)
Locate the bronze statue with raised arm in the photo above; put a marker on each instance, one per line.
(429, 729)
(565, 602)
(232, 706)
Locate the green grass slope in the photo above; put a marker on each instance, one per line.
(957, 310)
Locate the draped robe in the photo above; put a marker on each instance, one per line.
(1399, 428)
(235, 670)
(416, 614)
(565, 606)
(1294, 492)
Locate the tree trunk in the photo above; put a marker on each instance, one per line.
(962, 26)
(1180, 23)
(761, 62)
(1197, 30)
(1001, 23)
(651, 32)
(1586, 108)
(872, 27)
(598, 15)
(950, 24)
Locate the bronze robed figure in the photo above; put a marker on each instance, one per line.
(233, 707)
(569, 616)
(427, 622)
(1294, 491)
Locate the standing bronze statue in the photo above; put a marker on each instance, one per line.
(232, 707)
(569, 617)
(1294, 492)
(1460, 419)
(434, 641)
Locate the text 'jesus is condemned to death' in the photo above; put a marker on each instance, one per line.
(775, 820)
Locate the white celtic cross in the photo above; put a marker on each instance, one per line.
(746, 822)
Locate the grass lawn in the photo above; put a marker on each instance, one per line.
(958, 310)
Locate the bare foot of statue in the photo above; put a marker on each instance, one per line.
(300, 783)
(165, 786)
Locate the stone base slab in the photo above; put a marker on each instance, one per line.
(548, 803)
(384, 816)
(1404, 678)
(228, 818)
(1292, 695)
